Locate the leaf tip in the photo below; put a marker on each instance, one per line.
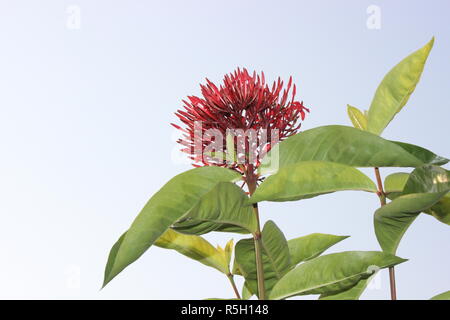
(429, 46)
(106, 280)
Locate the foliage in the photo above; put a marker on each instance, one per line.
(309, 164)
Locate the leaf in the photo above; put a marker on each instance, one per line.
(310, 179)
(246, 293)
(339, 144)
(396, 88)
(224, 208)
(424, 155)
(198, 227)
(394, 183)
(309, 247)
(427, 179)
(442, 296)
(392, 220)
(354, 293)
(112, 257)
(424, 188)
(171, 203)
(432, 179)
(197, 248)
(332, 273)
(358, 119)
(441, 210)
(275, 256)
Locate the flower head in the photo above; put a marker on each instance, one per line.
(231, 115)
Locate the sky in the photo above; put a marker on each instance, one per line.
(88, 90)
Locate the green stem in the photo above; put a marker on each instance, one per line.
(233, 284)
(258, 252)
(251, 179)
(382, 195)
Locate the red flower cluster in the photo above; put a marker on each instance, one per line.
(243, 102)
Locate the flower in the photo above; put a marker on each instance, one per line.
(241, 104)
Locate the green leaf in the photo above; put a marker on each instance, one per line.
(432, 179)
(354, 293)
(197, 248)
(332, 273)
(311, 246)
(309, 179)
(246, 293)
(424, 155)
(392, 220)
(427, 179)
(275, 256)
(396, 88)
(171, 203)
(339, 144)
(442, 296)
(358, 119)
(424, 188)
(198, 227)
(112, 257)
(394, 183)
(224, 208)
(441, 210)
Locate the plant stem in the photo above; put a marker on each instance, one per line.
(233, 284)
(381, 194)
(392, 283)
(251, 179)
(258, 252)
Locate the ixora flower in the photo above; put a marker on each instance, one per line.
(236, 123)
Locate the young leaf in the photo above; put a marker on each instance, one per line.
(396, 88)
(310, 179)
(275, 256)
(394, 183)
(339, 144)
(311, 246)
(332, 273)
(171, 203)
(357, 118)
